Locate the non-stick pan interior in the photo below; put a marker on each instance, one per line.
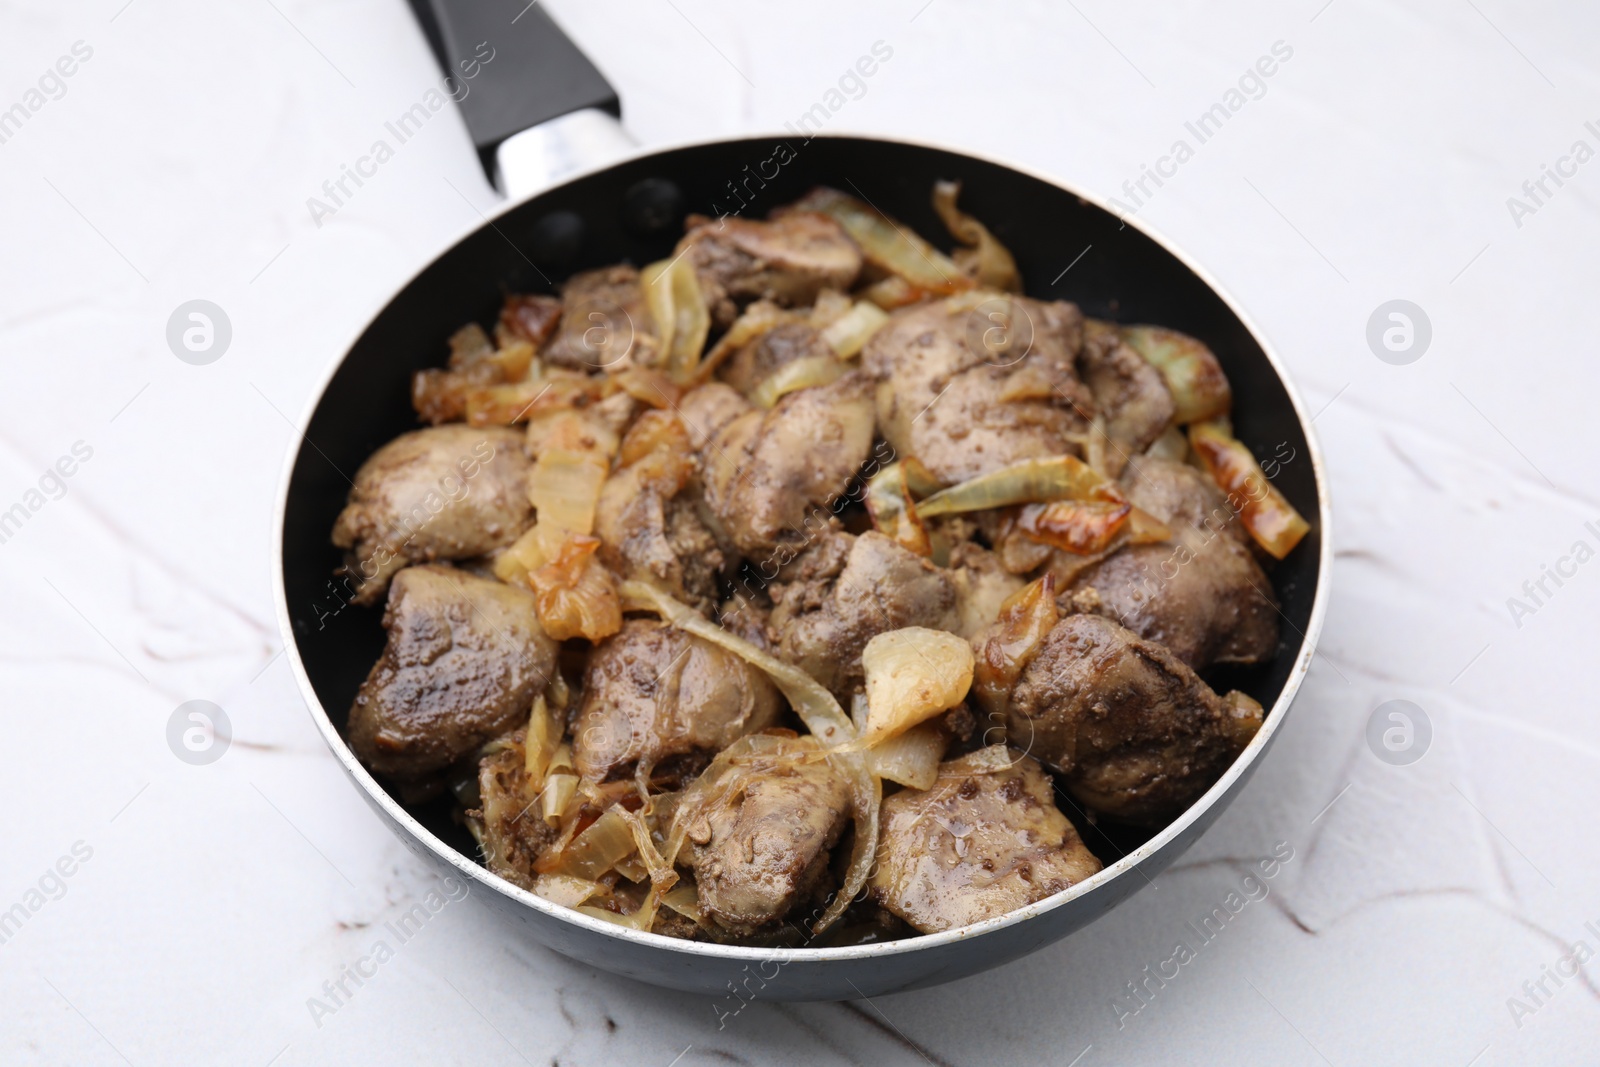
(607, 217)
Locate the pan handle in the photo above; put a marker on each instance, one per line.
(534, 104)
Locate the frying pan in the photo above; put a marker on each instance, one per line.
(539, 107)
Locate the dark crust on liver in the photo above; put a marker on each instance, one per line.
(464, 660)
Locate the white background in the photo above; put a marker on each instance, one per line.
(1376, 166)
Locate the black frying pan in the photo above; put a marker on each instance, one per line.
(632, 211)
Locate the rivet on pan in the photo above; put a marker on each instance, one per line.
(556, 238)
(652, 205)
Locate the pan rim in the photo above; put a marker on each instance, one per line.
(1124, 867)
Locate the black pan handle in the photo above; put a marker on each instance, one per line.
(535, 74)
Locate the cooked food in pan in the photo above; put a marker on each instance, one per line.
(811, 584)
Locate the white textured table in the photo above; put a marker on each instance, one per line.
(206, 904)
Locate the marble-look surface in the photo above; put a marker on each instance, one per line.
(1376, 164)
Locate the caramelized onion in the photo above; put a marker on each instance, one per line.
(1194, 377)
(755, 320)
(560, 694)
(575, 595)
(515, 360)
(800, 374)
(1172, 445)
(559, 789)
(440, 395)
(830, 306)
(889, 505)
(505, 405)
(894, 292)
(469, 345)
(544, 734)
(991, 264)
(531, 318)
(568, 890)
(523, 556)
(684, 899)
(653, 432)
(919, 479)
(866, 801)
(594, 851)
(656, 456)
(1245, 716)
(1029, 482)
(912, 674)
(661, 873)
(1098, 446)
(672, 293)
(572, 431)
(886, 244)
(649, 386)
(1271, 520)
(885, 497)
(564, 487)
(912, 759)
(1084, 527)
(1144, 528)
(1011, 642)
(850, 332)
(615, 918)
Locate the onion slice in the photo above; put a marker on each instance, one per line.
(544, 734)
(523, 556)
(564, 488)
(755, 320)
(802, 373)
(829, 307)
(1194, 377)
(912, 759)
(514, 402)
(568, 890)
(1271, 519)
(814, 704)
(559, 789)
(866, 799)
(1031, 481)
(992, 264)
(919, 479)
(885, 497)
(1011, 642)
(649, 386)
(893, 515)
(661, 873)
(572, 431)
(1081, 526)
(1245, 715)
(684, 899)
(651, 432)
(672, 293)
(593, 852)
(575, 595)
(912, 674)
(850, 332)
(894, 292)
(1145, 529)
(887, 244)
